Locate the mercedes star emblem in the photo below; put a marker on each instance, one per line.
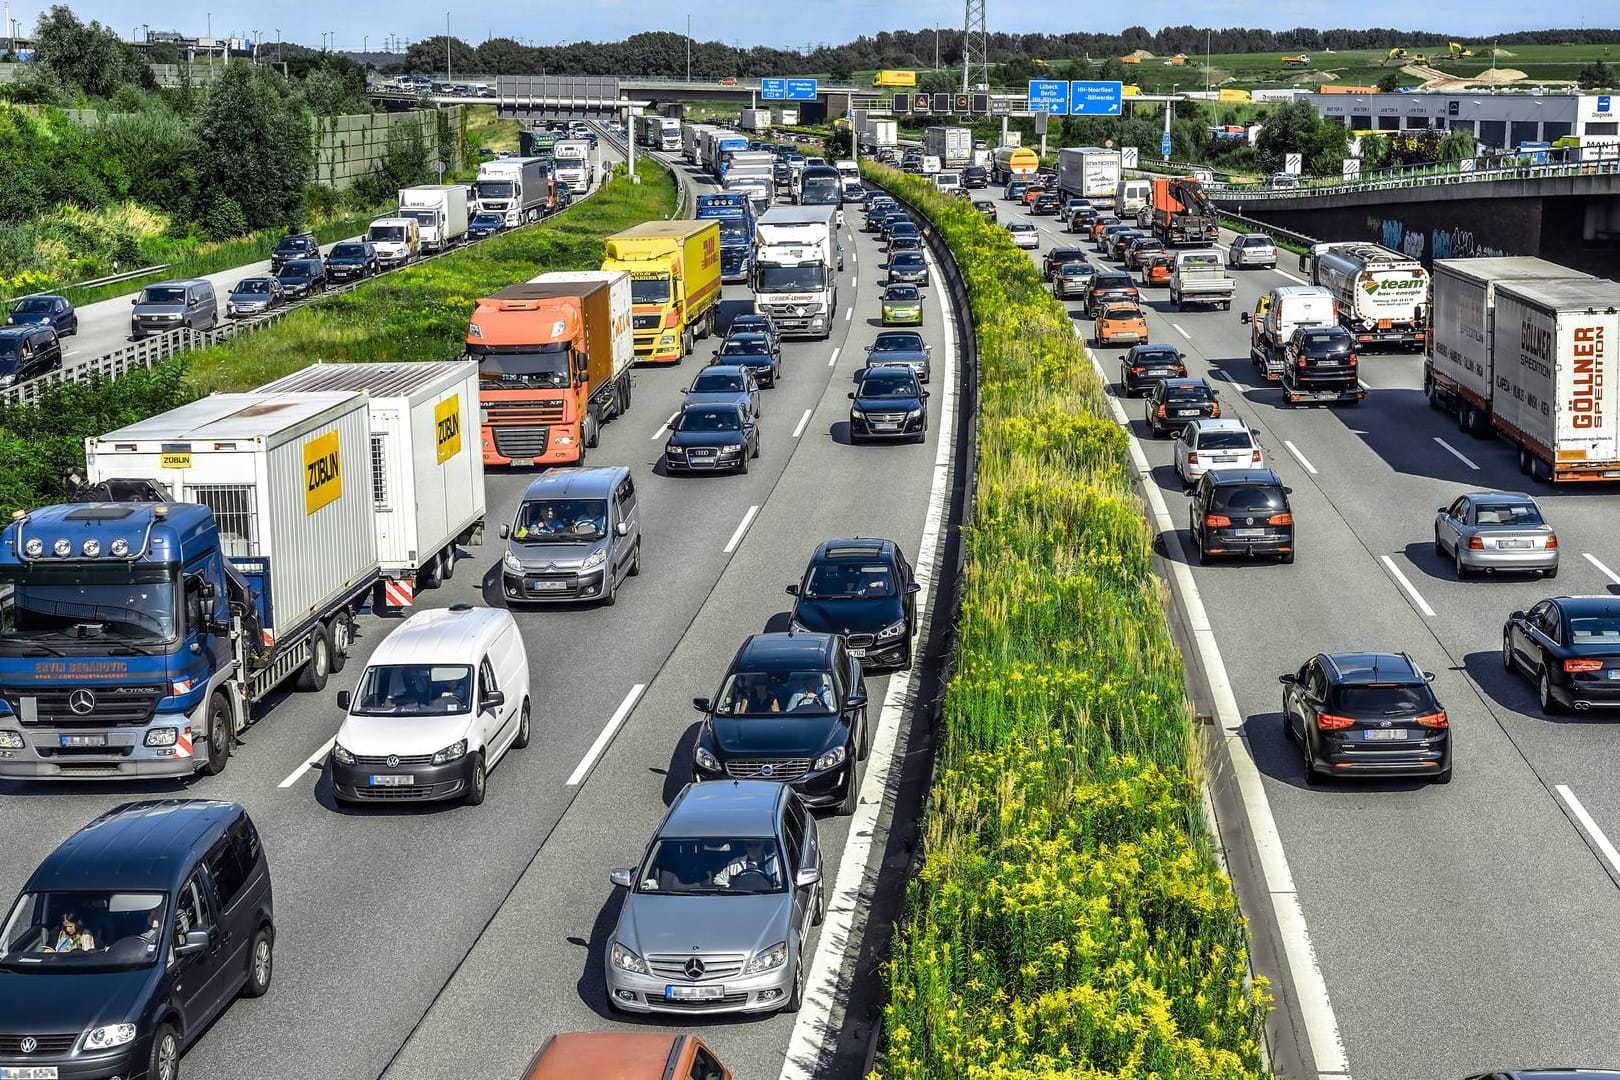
(29, 1044)
(694, 968)
(82, 702)
(393, 761)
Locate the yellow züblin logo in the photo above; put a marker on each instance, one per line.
(323, 478)
(447, 427)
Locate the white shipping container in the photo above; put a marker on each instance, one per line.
(287, 477)
(619, 299)
(1557, 384)
(427, 472)
(1464, 305)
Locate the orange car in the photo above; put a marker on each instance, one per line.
(1156, 271)
(1122, 324)
(625, 1055)
(1032, 191)
(1102, 222)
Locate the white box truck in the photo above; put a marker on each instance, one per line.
(881, 133)
(756, 120)
(517, 188)
(952, 145)
(796, 260)
(1458, 374)
(427, 474)
(440, 211)
(571, 163)
(1089, 172)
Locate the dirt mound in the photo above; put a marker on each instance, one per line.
(1140, 54)
(1500, 75)
(1499, 52)
(1319, 77)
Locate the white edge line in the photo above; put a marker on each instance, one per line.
(812, 1026)
(605, 736)
(833, 359)
(1454, 452)
(803, 420)
(1595, 561)
(742, 527)
(1292, 449)
(1180, 331)
(1309, 987)
(1595, 834)
(1411, 590)
(312, 762)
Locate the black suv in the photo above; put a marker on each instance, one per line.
(294, 246)
(975, 176)
(1241, 512)
(302, 277)
(1046, 203)
(27, 352)
(888, 403)
(351, 260)
(1368, 713)
(1110, 287)
(863, 589)
(1057, 256)
(1174, 403)
(1319, 358)
(1145, 366)
(792, 708)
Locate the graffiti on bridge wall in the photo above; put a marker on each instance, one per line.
(1441, 243)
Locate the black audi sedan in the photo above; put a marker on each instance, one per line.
(863, 589)
(708, 438)
(1372, 714)
(1570, 645)
(792, 708)
(754, 350)
(888, 403)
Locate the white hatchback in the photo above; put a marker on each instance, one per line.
(1204, 445)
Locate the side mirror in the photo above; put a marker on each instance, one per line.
(492, 700)
(806, 877)
(622, 528)
(195, 941)
(1289, 679)
(1244, 318)
(701, 704)
(1443, 510)
(506, 531)
(851, 395)
(1516, 616)
(792, 590)
(855, 701)
(135, 301)
(343, 699)
(624, 877)
(1428, 676)
(913, 589)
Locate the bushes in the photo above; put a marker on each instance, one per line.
(1068, 916)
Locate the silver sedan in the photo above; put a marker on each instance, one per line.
(1496, 530)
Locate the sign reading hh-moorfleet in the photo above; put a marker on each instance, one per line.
(1096, 98)
(1049, 96)
(787, 89)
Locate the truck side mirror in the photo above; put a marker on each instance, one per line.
(1243, 317)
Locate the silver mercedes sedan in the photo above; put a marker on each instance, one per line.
(1491, 531)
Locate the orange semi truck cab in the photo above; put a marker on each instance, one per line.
(554, 357)
(674, 269)
(625, 1055)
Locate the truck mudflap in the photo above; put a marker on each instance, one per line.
(1350, 393)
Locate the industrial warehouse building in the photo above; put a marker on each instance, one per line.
(1497, 121)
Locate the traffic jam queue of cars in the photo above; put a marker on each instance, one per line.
(1363, 713)
(142, 927)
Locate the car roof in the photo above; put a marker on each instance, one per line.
(136, 846)
(859, 547)
(722, 369)
(748, 335)
(726, 808)
(1588, 605)
(787, 647)
(576, 483)
(1236, 477)
(1222, 424)
(1473, 495)
(1363, 668)
(457, 633)
(21, 330)
(607, 1055)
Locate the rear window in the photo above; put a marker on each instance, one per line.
(1188, 393)
(1256, 497)
(1224, 440)
(1507, 514)
(1114, 281)
(1385, 700)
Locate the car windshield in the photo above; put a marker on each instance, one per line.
(1020, 226)
(394, 234)
(551, 520)
(888, 383)
(764, 693)
(752, 323)
(1507, 513)
(414, 690)
(848, 580)
(1385, 700)
(806, 278)
(906, 258)
(1112, 281)
(163, 294)
(1155, 355)
(1321, 340)
(713, 867)
(898, 343)
(543, 366)
(1117, 314)
(35, 305)
(1224, 440)
(295, 272)
(85, 603)
(253, 286)
(1594, 629)
(1248, 497)
(1181, 395)
(290, 243)
(1075, 269)
(348, 251)
(10, 346)
(901, 292)
(486, 221)
(709, 420)
(50, 932)
(718, 382)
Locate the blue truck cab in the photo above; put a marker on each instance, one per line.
(724, 149)
(735, 213)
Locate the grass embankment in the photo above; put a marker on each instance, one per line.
(419, 313)
(1069, 917)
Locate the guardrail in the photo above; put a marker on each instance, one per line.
(1428, 176)
(127, 275)
(1274, 231)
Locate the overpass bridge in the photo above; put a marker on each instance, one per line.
(603, 96)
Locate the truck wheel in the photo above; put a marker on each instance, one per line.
(593, 430)
(1524, 461)
(449, 560)
(1540, 471)
(342, 639)
(687, 342)
(1433, 393)
(624, 396)
(221, 733)
(431, 573)
(312, 676)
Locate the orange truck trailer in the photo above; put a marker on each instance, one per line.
(554, 357)
(674, 269)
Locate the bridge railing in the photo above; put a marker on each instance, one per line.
(1438, 175)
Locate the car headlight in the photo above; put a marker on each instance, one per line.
(732, 448)
(767, 959)
(892, 631)
(451, 753)
(111, 1035)
(512, 563)
(706, 760)
(163, 736)
(7, 380)
(831, 759)
(341, 755)
(593, 560)
(674, 451)
(856, 414)
(625, 960)
(11, 740)
(913, 414)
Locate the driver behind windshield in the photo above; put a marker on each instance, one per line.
(73, 936)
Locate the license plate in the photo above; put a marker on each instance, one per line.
(1158, 371)
(84, 740)
(27, 1072)
(548, 586)
(1186, 412)
(1614, 673)
(1513, 543)
(885, 427)
(393, 781)
(1384, 735)
(862, 652)
(1225, 457)
(694, 993)
(1248, 532)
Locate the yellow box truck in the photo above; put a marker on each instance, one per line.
(895, 78)
(674, 269)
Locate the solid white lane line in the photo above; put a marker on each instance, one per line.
(313, 763)
(1180, 331)
(736, 537)
(1411, 590)
(663, 429)
(605, 736)
(1604, 570)
(823, 986)
(833, 359)
(1593, 833)
(1292, 449)
(1454, 452)
(848, 312)
(803, 420)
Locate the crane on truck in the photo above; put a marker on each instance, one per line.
(1182, 213)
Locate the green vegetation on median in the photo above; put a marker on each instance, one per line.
(1069, 916)
(419, 313)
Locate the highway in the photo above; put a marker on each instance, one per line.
(1458, 928)
(450, 941)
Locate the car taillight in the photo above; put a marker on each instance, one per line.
(1135, 370)
(1434, 720)
(1280, 519)
(1215, 409)
(1161, 412)
(1192, 458)
(1216, 521)
(1552, 541)
(1352, 359)
(1475, 544)
(1255, 457)
(1572, 666)
(1329, 722)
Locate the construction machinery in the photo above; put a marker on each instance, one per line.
(1182, 213)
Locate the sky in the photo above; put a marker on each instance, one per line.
(357, 24)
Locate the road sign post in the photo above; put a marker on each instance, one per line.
(1164, 146)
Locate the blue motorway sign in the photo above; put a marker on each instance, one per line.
(1096, 98)
(787, 89)
(1049, 96)
(773, 89)
(1164, 146)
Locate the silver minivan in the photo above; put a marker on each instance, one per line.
(576, 536)
(170, 305)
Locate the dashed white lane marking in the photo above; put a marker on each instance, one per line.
(833, 359)
(605, 736)
(663, 429)
(1182, 332)
(1454, 452)
(1411, 590)
(314, 762)
(736, 537)
(803, 420)
(1595, 834)
(1292, 449)
(1604, 570)
(848, 313)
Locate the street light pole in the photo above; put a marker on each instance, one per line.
(1209, 36)
(688, 46)
(447, 46)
